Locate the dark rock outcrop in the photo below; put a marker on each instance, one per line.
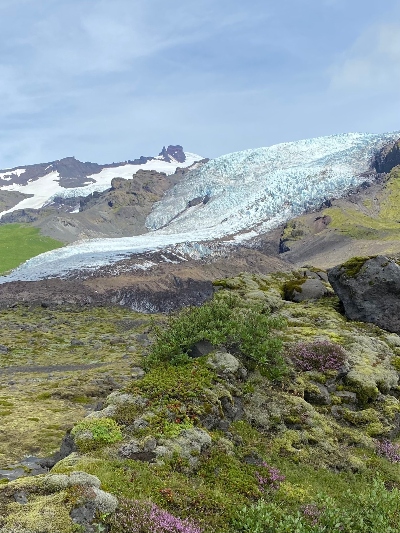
(388, 157)
(369, 289)
(175, 151)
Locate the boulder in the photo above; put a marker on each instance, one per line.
(223, 363)
(305, 289)
(369, 289)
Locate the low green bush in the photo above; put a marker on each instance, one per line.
(375, 510)
(229, 321)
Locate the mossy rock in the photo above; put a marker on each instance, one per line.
(94, 433)
(44, 504)
(354, 265)
(289, 288)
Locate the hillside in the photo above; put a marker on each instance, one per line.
(364, 223)
(216, 219)
(119, 211)
(45, 192)
(283, 423)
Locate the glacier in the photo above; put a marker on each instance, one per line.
(247, 193)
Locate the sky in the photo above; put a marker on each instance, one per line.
(108, 81)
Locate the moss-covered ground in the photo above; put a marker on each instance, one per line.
(19, 243)
(57, 364)
(321, 446)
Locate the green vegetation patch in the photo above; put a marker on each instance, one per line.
(91, 434)
(366, 223)
(354, 265)
(228, 321)
(19, 243)
(47, 383)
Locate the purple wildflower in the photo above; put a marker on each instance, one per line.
(164, 522)
(317, 355)
(145, 517)
(389, 450)
(312, 512)
(272, 480)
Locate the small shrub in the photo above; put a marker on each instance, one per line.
(318, 355)
(91, 434)
(374, 510)
(224, 321)
(145, 517)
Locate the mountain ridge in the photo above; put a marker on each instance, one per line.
(69, 177)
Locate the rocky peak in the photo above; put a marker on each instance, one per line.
(173, 151)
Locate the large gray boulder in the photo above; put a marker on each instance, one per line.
(369, 289)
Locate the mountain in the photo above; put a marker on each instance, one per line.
(46, 183)
(223, 217)
(119, 211)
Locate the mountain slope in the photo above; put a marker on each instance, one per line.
(68, 177)
(118, 211)
(365, 223)
(249, 193)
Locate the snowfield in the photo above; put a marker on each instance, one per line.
(248, 192)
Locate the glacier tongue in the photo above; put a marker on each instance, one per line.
(268, 185)
(250, 191)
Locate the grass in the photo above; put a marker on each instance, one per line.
(366, 225)
(39, 404)
(19, 243)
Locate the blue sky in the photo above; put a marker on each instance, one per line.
(111, 80)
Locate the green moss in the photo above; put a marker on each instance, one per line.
(396, 362)
(354, 265)
(42, 514)
(92, 434)
(292, 286)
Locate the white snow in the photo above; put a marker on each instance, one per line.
(250, 192)
(40, 189)
(47, 187)
(16, 172)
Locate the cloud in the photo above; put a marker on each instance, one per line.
(372, 64)
(113, 80)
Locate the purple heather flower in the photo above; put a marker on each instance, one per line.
(312, 512)
(145, 517)
(317, 355)
(389, 450)
(272, 480)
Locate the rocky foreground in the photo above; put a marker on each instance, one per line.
(265, 409)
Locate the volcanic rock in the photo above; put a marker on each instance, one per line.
(369, 289)
(388, 157)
